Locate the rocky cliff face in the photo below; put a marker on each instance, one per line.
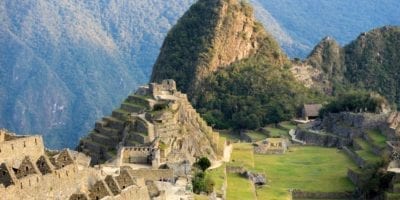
(369, 62)
(210, 36)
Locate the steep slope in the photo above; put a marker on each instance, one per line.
(239, 80)
(307, 21)
(63, 64)
(210, 36)
(323, 68)
(372, 61)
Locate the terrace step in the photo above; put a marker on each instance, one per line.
(114, 123)
(120, 114)
(134, 108)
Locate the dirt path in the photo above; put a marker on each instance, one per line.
(226, 158)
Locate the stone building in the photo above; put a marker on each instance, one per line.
(28, 172)
(271, 146)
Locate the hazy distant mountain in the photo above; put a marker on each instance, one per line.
(64, 64)
(306, 22)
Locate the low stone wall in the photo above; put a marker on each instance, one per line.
(133, 192)
(325, 140)
(354, 177)
(235, 169)
(298, 194)
(152, 174)
(357, 159)
(245, 137)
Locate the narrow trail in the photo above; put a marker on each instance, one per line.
(226, 157)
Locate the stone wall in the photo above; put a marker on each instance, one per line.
(354, 177)
(60, 184)
(153, 175)
(298, 194)
(18, 148)
(321, 139)
(235, 169)
(133, 192)
(355, 157)
(140, 155)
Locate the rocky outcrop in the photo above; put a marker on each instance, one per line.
(322, 68)
(392, 130)
(211, 35)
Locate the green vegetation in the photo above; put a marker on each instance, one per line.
(373, 62)
(187, 44)
(312, 168)
(203, 163)
(242, 155)
(256, 135)
(218, 176)
(288, 125)
(277, 132)
(377, 138)
(202, 183)
(252, 93)
(355, 101)
(239, 188)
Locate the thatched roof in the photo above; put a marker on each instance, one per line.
(311, 110)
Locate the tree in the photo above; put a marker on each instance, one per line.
(203, 163)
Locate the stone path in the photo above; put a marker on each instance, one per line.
(292, 133)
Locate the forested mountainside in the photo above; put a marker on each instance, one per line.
(64, 64)
(308, 21)
(233, 70)
(370, 62)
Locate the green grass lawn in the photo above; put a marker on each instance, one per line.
(377, 137)
(288, 125)
(242, 155)
(307, 168)
(277, 132)
(229, 135)
(256, 136)
(218, 176)
(366, 152)
(239, 188)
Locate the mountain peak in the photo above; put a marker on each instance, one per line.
(327, 56)
(210, 36)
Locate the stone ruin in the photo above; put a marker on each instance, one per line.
(154, 126)
(27, 171)
(271, 146)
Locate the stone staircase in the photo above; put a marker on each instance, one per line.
(102, 141)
